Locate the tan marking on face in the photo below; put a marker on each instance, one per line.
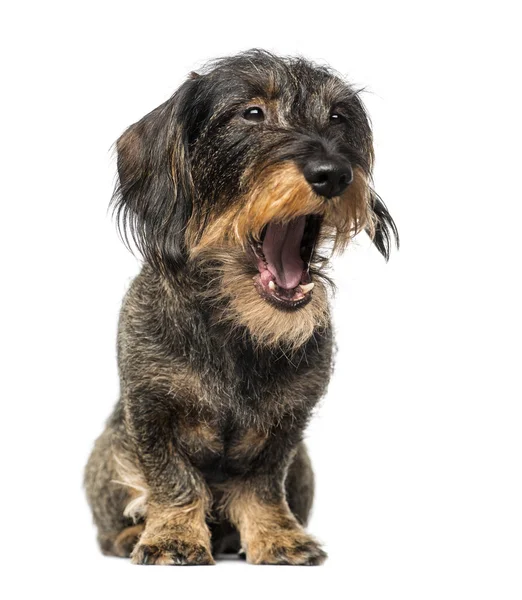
(282, 194)
(238, 304)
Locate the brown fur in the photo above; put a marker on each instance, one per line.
(196, 437)
(239, 305)
(282, 194)
(127, 539)
(174, 535)
(249, 445)
(270, 533)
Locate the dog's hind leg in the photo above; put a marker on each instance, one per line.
(116, 495)
(300, 485)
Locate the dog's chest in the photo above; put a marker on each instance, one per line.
(233, 427)
(220, 453)
(248, 404)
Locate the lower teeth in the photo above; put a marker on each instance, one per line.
(304, 287)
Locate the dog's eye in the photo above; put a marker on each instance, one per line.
(255, 114)
(336, 117)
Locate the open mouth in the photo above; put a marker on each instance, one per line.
(282, 257)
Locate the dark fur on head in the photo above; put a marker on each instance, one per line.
(231, 190)
(186, 160)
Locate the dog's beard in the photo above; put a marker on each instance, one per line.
(265, 251)
(229, 289)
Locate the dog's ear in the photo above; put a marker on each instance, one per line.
(153, 199)
(385, 231)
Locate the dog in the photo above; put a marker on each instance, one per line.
(236, 191)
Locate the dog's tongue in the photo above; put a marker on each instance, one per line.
(282, 250)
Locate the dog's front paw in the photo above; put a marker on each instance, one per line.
(173, 552)
(292, 547)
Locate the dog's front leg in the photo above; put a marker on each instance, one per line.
(175, 531)
(270, 534)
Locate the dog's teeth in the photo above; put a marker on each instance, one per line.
(271, 285)
(307, 287)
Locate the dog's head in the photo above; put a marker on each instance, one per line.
(249, 170)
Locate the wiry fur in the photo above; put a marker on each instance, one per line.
(203, 452)
(244, 312)
(130, 477)
(282, 193)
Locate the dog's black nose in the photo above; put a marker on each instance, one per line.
(328, 178)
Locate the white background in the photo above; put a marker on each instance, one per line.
(417, 446)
